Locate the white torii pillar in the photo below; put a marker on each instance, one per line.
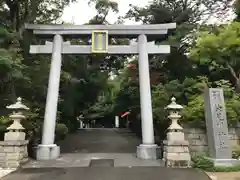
(148, 149)
(48, 150)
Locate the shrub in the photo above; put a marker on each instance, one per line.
(206, 164)
(202, 163)
(233, 110)
(61, 131)
(227, 169)
(4, 123)
(193, 113)
(236, 152)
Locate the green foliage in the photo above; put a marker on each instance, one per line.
(192, 87)
(193, 112)
(233, 112)
(236, 6)
(236, 152)
(227, 169)
(227, 87)
(4, 120)
(206, 164)
(15, 13)
(218, 47)
(159, 99)
(103, 8)
(219, 50)
(4, 123)
(33, 123)
(202, 163)
(61, 131)
(82, 79)
(186, 92)
(179, 11)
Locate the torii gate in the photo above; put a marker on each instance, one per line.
(99, 34)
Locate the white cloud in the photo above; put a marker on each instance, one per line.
(81, 13)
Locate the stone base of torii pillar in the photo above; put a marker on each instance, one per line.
(148, 152)
(48, 152)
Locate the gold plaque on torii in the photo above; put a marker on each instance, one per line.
(99, 41)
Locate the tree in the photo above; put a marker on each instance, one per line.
(220, 51)
(236, 7)
(193, 112)
(183, 11)
(103, 8)
(190, 16)
(186, 13)
(26, 75)
(18, 12)
(11, 67)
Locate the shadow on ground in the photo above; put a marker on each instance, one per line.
(136, 173)
(100, 141)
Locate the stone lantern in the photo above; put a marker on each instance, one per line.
(80, 120)
(16, 129)
(176, 148)
(13, 150)
(174, 115)
(174, 130)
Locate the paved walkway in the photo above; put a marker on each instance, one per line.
(78, 150)
(84, 160)
(103, 173)
(100, 141)
(101, 154)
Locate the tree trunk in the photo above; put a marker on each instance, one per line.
(235, 76)
(237, 85)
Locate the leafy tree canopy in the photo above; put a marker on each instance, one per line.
(220, 51)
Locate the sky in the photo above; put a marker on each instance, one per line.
(80, 13)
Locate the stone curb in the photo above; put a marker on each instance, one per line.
(5, 172)
(213, 177)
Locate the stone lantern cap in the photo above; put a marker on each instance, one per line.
(18, 105)
(174, 105)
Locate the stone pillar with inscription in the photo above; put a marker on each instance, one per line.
(217, 128)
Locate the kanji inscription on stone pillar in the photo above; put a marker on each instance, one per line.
(216, 123)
